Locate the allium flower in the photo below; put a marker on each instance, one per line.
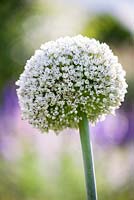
(67, 83)
(70, 75)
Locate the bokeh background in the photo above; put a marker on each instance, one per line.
(49, 167)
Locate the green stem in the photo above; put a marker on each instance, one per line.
(87, 158)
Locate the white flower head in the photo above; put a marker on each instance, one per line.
(70, 75)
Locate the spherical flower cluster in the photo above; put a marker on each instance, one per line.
(69, 76)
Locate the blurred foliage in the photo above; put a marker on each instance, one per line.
(70, 180)
(107, 28)
(12, 15)
(20, 182)
(24, 179)
(129, 99)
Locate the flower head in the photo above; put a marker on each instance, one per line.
(70, 75)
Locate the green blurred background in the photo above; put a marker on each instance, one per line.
(49, 167)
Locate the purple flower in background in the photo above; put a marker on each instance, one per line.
(8, 110)
(115, 130)
(130, 132)
(10, 103)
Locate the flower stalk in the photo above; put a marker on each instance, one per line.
(87, 158)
